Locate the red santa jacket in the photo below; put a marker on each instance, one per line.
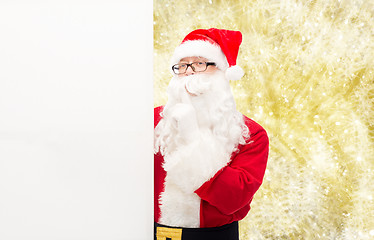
(227, 196)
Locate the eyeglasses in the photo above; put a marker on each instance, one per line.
(196, 67)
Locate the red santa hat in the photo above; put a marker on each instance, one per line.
(218, 45)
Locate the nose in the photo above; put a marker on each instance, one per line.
(189, 71)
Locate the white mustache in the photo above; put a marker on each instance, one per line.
(197, 84)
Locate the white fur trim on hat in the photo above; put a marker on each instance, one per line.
(234, 73)
(200, 48)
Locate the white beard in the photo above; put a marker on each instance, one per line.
(188, 165)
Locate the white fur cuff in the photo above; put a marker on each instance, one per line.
(195, 163)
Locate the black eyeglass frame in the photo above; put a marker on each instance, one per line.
(193, 69)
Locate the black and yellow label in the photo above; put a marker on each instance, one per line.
(168, 233)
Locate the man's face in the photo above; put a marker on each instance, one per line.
(208, 93)
(188, 60)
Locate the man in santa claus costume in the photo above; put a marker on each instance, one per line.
(209, 158)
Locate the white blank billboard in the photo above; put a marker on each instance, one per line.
(76, 120)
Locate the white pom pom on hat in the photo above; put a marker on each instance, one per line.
(234, 73)
(218, 45)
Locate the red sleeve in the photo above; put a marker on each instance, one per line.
(156, 114)
(159, 172)
(233, 187)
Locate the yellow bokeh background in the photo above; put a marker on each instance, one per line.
(310, 83)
